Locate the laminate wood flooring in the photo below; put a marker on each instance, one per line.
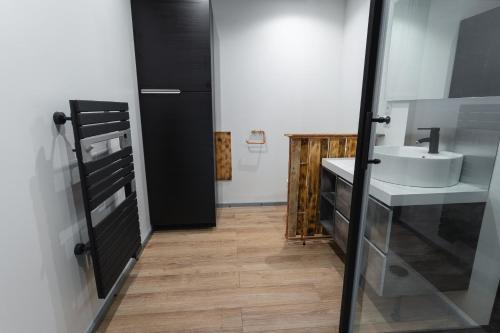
(242, 276)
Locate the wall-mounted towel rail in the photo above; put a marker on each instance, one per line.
(115, 239)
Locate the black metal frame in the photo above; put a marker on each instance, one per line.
(362, 154)
(116, 238)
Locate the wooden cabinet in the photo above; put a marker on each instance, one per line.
(173, 56)
(304, 168)
(172, 43)
(179, 156)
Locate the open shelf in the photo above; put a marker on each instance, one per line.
(328, 226)
(327, 181)
(327, 212)
(327, 201)
(329, 197)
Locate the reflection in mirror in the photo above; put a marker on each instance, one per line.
(442, 48)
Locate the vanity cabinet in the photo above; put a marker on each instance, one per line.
(407, 250)
(379, 216)
(334, 218)
(376, 258)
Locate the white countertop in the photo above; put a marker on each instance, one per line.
(399, 195)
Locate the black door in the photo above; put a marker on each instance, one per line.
(172, 44)
(178, 144)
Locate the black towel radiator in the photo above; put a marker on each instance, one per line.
(115, 239)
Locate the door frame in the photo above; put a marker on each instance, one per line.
(361, 181)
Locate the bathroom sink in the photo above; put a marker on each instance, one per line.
(414, 166)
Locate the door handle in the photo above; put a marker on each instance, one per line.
(161, 91)
(375, 161)
(382, 120)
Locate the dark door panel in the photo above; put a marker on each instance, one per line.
(178, 141)
(172, 43)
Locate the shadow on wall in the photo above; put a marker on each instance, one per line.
(251, 163)
(61, 224)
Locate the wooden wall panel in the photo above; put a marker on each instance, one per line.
(324, 148)
(334, 147)
(293, 189)
(351, 144)
(304, 160)
(306, 152)
(325, 152)
(224, 170)
(313, 173)
(337, 147)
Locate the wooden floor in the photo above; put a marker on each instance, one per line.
(242, 276)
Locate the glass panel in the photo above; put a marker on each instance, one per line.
(430, 255)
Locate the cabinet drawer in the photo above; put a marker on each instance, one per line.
(374, 265)
(374, 261)
(343, 197)
(341, 231)
(378, 224)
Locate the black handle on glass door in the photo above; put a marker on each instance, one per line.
(382, 120)
(374, 161)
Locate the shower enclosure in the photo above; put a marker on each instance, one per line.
(423, 251)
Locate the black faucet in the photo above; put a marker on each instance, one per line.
(433, 139)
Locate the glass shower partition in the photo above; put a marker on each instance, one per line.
(428, 253)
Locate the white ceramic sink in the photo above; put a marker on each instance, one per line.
(414, 166)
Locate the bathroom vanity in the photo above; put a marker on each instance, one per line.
(416, 239)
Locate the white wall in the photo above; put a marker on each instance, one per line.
(353, 58)
(53, 51)
(404, 58)
(278, 67)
